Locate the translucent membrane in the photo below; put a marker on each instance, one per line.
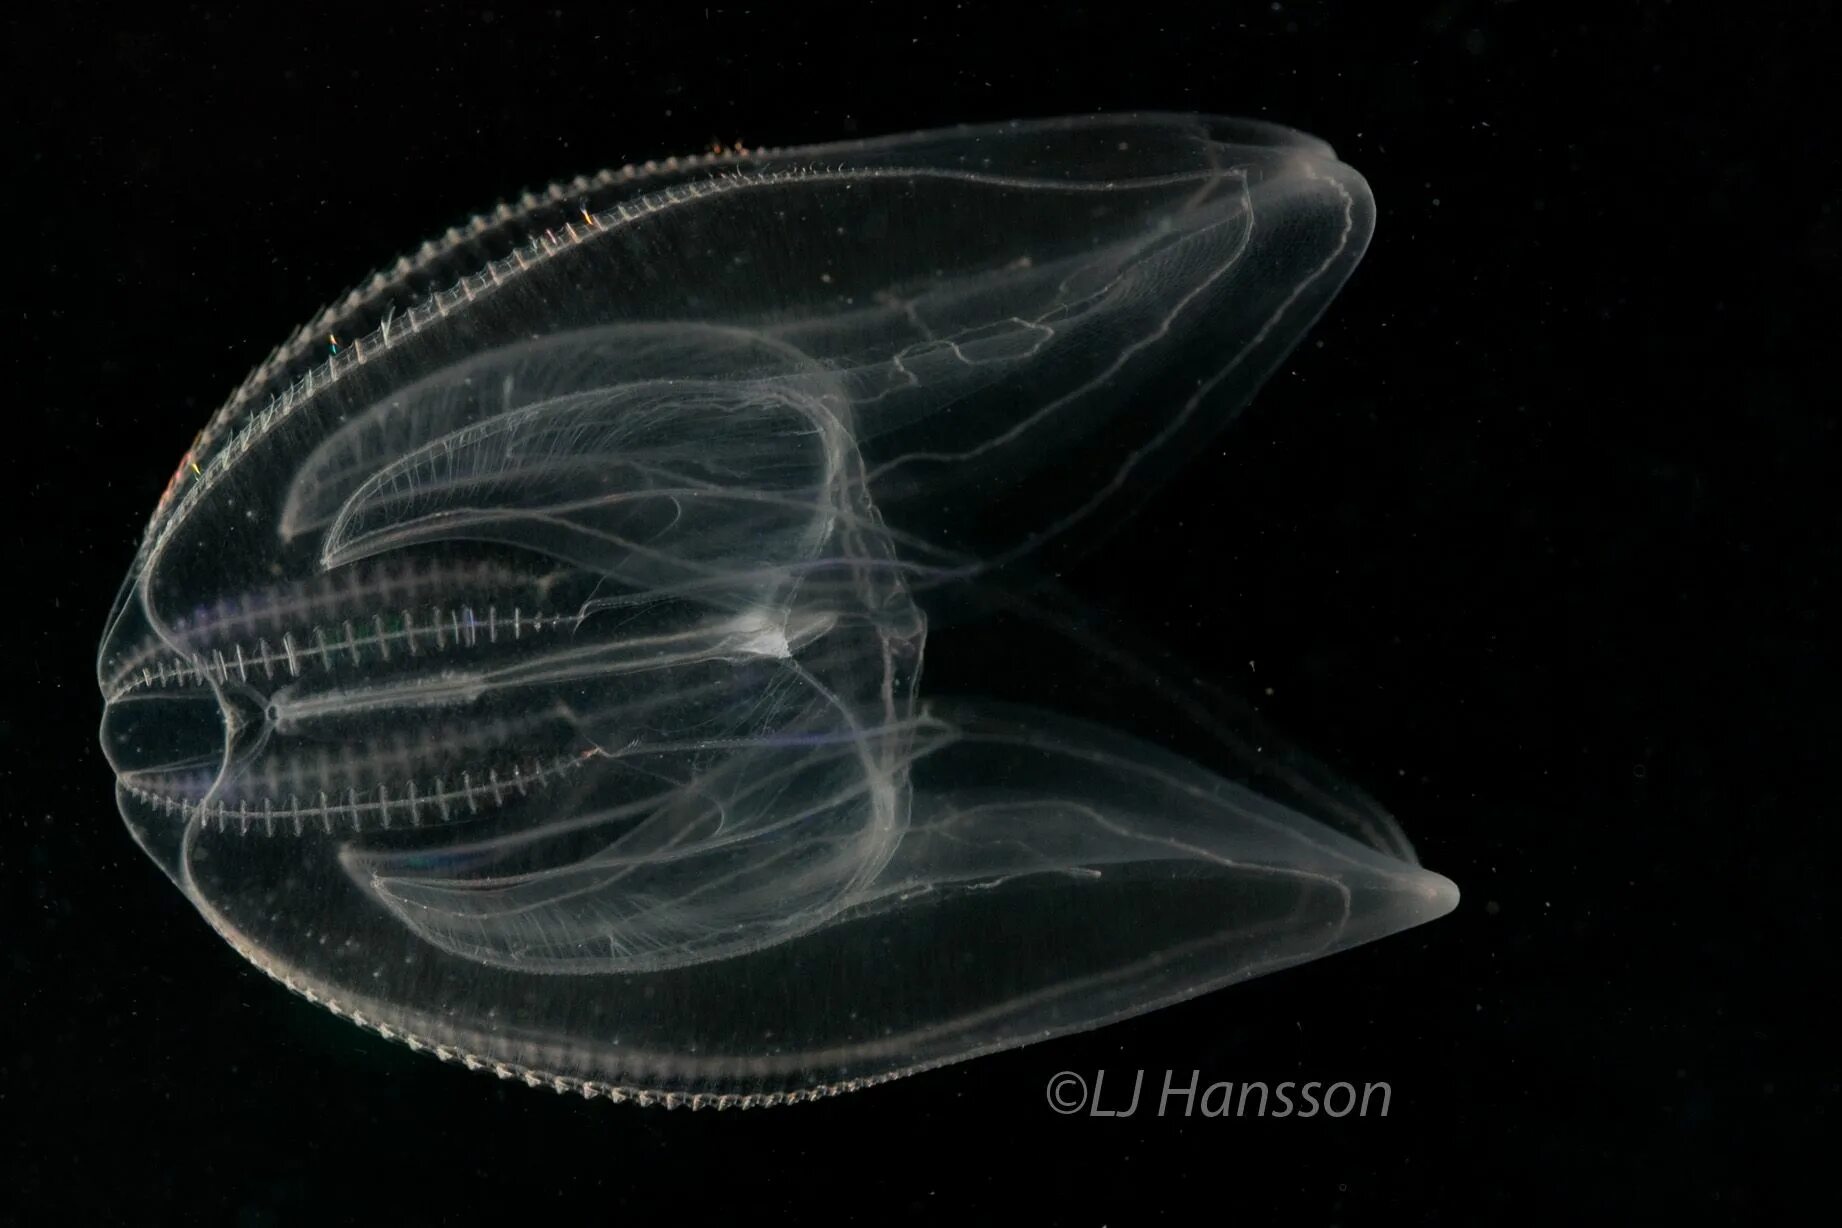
(525, 661)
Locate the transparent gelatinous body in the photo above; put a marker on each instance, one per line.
(526, 661)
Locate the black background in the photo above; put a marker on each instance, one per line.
(1535, 538)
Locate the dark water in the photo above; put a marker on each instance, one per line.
(1534, 539)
